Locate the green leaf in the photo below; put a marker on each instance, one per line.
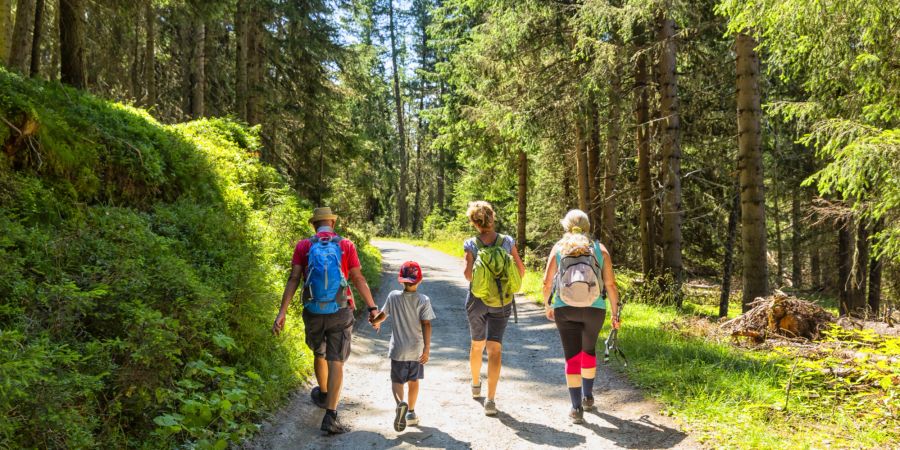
(168, 420)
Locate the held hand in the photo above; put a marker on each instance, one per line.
(550, 315)
(615, 322)
(279, 324)
(372, 315)
(424, 358)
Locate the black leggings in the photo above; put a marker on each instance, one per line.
(578, 331)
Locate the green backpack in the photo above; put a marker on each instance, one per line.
(495, 277)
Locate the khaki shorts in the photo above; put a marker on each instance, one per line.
(329, 335)
(486, 322)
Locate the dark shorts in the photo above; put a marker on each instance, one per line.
(403, 371)
(486, 322)
(328, 335)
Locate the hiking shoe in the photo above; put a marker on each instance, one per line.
(587, 403)
(412, 419)
(318, 397)
(400, 418)
(331, 425)
(476, 391)
(577, 415)
(490, 408)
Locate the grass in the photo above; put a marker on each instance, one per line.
(727, 396)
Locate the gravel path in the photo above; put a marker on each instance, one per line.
(531, 396)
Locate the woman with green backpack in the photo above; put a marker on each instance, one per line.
(578, 279)
(494, 270)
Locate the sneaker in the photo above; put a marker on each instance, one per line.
(577, 415)
(318, 397)
(400, 418)
(476, 391)
(412, 419)
(587, 403)
(331, 425)
(490, 408)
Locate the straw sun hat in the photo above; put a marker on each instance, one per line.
(323, 213)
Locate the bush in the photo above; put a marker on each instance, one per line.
(143, 265)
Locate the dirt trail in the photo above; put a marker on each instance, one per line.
(531, 396)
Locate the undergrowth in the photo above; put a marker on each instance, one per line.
(143, 265)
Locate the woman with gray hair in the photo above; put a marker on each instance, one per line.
(577, 281)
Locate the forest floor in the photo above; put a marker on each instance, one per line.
(531, 397)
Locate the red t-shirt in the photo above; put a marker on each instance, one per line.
(349, 257)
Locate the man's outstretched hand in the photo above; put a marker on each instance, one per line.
(279, 324)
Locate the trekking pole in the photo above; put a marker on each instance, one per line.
(515, 310)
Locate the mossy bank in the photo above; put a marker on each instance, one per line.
(142, 267)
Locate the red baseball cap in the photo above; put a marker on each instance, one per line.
(410, 272)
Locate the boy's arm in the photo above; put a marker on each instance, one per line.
(426, 333)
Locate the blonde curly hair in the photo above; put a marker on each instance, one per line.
(481, 214)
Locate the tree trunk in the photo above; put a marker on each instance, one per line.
(642, 115)
(728, 267)
(595, 180)
(5, 29)
(844, 266)
(874, 300)
(750, 166)
(440, 180)
(240, 65)
(55, 50)
(861, 267)
(671, 153)
(401, 132)
(149, 66)
(613, 127)
(21, 38)
(36, 39)
(779, 278)
(255, 64)
(814, 266)
(523, 202)
(796, 237)
(71, 36)
(581, 166)
(198, 69)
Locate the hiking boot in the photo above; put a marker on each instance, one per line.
(412, 419)
(587, 403)
(400, 418)
(318, 397)
(331, 425)
(476, 391)
(577, 415)
(490, 408)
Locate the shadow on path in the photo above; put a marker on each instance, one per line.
(636, 434)
(539, 434)
(420, 437)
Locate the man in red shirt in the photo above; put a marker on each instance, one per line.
(327, 335)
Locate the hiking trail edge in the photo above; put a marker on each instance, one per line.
(531, 396)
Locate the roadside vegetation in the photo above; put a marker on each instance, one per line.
(142, 267)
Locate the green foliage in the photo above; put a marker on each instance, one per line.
(143, 265)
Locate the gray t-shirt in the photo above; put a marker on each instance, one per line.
(407, 310)
(470, 244)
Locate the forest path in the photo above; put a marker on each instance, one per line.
(531, 396)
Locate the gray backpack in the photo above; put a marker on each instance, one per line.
(579, 278)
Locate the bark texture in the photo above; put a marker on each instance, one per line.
(671, 153)
(198, 69)
(149, 67)
(796, 238)
(611, 171)
(728, 266)
(401, 132)
(240, 64)
(521, 219)
(71, 37)
(750, 167)
(35, 69)
(874, 299)
(5, 29)
(844, 266)
(641, 116)
(595, 180)
(21, 37)
(581, 168)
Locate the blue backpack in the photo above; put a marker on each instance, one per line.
(325, 288)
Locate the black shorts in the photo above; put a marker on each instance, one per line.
(403, 371)
(486, 322)
(328, 335)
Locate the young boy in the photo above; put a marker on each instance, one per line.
(410, 340)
